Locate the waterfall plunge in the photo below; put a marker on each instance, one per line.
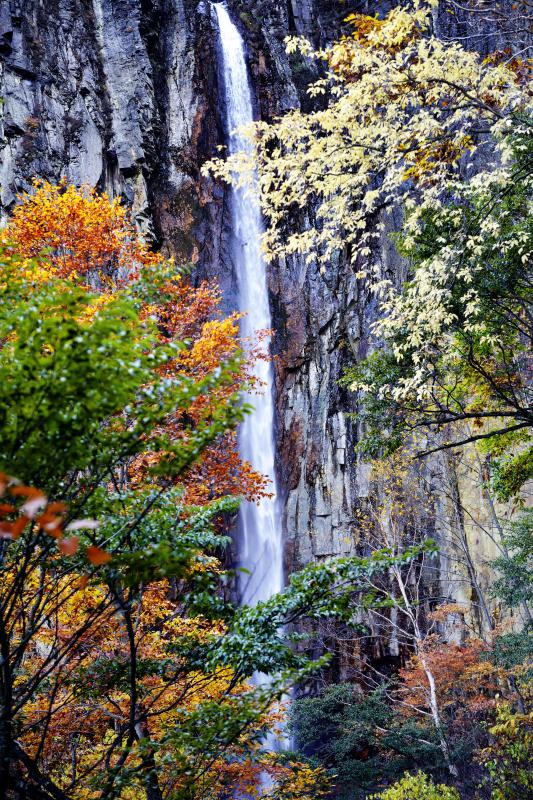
(260, 541)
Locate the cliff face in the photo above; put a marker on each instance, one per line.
(123, 94)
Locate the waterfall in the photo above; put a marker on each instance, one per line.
(260, 537)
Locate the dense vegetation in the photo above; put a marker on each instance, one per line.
(126, 668)
(427, 127)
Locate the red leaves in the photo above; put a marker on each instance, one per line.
(12, 530)
(97, 556)
(43, 516)
(68, 547)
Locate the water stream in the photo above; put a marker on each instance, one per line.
(260, 538)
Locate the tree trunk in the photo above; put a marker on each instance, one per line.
(6, 701)
(5, 750)
(435, 713)
(151, 783)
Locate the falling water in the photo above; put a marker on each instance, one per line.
(260, 542)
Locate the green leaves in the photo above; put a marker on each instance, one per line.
(61, 378)
(515, 566)
(257, 639)
(79, 386)
(457, 336)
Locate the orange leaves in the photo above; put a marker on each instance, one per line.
(35, 501)
(97, 556)
(427, 159)
(222, 472)
(12, 530)
(465, 683)
(42, 516)
(186, 308)
(367, 32)
(192, 313)
(86, 235)
(218, 340)
(81, 230)
(68, 547)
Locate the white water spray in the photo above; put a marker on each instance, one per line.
(260, 541)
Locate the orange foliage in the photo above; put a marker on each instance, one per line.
(81, 231)
(76, 719)
(39, 515)
(188, 314)
(465, 683)
(89, 236)
(222, 472)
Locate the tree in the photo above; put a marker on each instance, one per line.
(90, 240)
(359, 739)
(401, 110)
(514, 585)
(78, 398)
(430, 703)
(124, 669)
(508, 757)
(458, 336)
(85, 234)
(417, 787)
(408, 120)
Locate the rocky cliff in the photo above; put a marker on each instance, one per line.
(123, 94)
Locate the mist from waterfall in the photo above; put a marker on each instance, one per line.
(260, 537)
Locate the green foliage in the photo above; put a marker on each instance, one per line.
(325, 590)
(359, 738)
(384, 421)
(79, 388)
(513, 650)
(60, 378)
(514, 586)
(417, 787)
(466, 361)
(511, 472)
(509, 757)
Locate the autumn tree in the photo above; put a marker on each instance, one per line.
(458, 337)
(79, 397)
(417, 787)
(431, 130)
(117, 638)
(401, 110)
(91, 240)
(84, 233)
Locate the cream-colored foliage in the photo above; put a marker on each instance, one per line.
(404, 111)
(403, 108)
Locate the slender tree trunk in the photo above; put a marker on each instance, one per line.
(433, 699)
(6, 702)
(435, 713)
(151, 783)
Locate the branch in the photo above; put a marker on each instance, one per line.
(449, 445)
